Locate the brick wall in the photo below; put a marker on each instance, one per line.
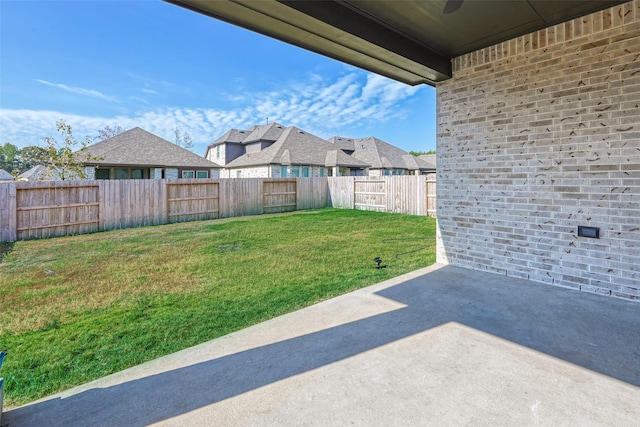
(537, 136)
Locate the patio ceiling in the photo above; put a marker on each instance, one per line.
(412, 41)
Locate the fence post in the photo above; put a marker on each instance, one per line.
(8, 213)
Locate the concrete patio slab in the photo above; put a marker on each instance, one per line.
(439, 346)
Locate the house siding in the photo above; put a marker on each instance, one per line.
(251, 172)
(212, 154)
(540, 135)
(271, 171)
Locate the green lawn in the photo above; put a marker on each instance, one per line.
(78, 308)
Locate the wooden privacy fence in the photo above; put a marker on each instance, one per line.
(30, 210)
(407, 194)
(50, 209)
(192, 201)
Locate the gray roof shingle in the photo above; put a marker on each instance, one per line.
(297, 147)
(429, 159)
(39, 173)
(137, 147)
(380, 154)
(235, 136)
(269, 133)
(5, 176)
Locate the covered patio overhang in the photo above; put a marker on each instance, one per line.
(411, 41)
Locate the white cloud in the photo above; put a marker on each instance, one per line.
(79, 90)
(318, 105)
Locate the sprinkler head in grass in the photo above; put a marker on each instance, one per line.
(378, 261)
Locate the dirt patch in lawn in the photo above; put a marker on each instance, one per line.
(5, 248)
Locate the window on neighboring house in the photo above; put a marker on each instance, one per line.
(295, 171)
(386, 172)
(202, 174)
(283, 172)
(188, 174)
(137, 174)
(238, 174)
(305, 171)
(218, 151)
(323, 171)
(121, 173)
(102, 173)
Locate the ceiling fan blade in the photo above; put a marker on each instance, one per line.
(452, 6)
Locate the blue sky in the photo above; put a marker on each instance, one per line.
(151, 64)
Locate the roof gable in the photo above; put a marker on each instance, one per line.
(5, 176)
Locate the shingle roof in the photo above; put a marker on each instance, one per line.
(39, 173)
(5, 176)
(269, 133)
(345, 144)
(429, 159)
(379, 154)
(233, 136)
(297, 147)
(137, 147)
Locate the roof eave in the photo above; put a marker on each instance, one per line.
(322, 27)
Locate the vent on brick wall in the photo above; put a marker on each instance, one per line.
(592, 232)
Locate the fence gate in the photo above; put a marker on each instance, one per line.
(279, 196)
(192, 200)
(370, 195)
(52, 209)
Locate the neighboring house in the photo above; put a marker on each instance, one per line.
(237, 142)
(39, 173)
(430, 160)
(138, 154)
(384, 158)
(274, 151)
(5, 176)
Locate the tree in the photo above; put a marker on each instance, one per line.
(9, 157)
(28, 157)
(108, 132)
(33, 155)
(420, 153)
(59, 156)
(183, 140)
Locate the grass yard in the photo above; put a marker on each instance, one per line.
(78, 308)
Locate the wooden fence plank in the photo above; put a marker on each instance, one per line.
(8, 212)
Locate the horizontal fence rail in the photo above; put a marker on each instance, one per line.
(30, 210)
